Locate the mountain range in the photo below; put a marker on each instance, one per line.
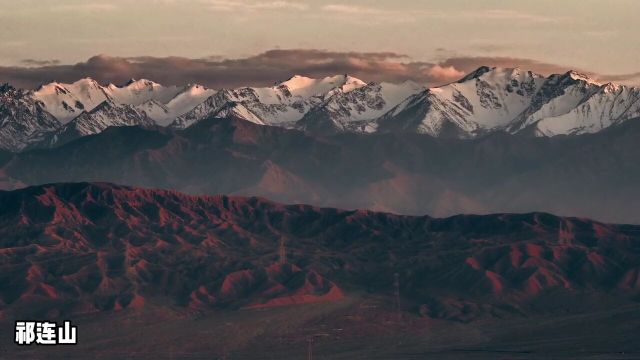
(593, 175)
(82, 248)
(485, 101)
(154, 215)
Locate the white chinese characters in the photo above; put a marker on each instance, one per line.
(44, 333)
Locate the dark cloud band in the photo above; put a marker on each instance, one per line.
(263, 69)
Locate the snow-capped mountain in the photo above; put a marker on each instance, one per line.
(486, 100)
(66, 101)
(161, 103)
(222, 103)
(516, 101)
(22, 119)
(354, 110)
(95, 121)
(136, 92)
(283, 104)
(558, 95)
(425, 112)
(608, 105)
(183, 102)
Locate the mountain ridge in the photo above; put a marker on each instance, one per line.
(125, 246)
(396, 172)
(483, 101)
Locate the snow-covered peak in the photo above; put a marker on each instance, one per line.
(351, 83)
(499, 75)
(575, 75)
(297, 82)
(66, 101)
(186, 100)
(141, 84)
(50, 89)
(358, 108)
(306, 87)
(611, 88)
(87, 87)
(137, 92)
(23, 121)
(476, 73)
(487, 98)
(85, 82)
(297, 79)
(195, 89)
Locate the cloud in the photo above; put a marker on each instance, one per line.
(487, 47)
(259, 70)
(273, 66)
(245, 6)
(503, 14)
(602, 34)
(375, 15)
(357, 10)
(35, 62)
(92, 7)
(470, 63)
(350, 9)
(444, 73)
(632, 79)
(366, 15)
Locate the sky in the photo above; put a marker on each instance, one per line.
(424, 40)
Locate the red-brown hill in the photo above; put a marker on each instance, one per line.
(85, 247)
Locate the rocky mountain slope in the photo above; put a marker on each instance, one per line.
(283, 104)
(22, 120)
(78, 248)
(107, 114)
(514, 101)
(68, 101)
(593, 176)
